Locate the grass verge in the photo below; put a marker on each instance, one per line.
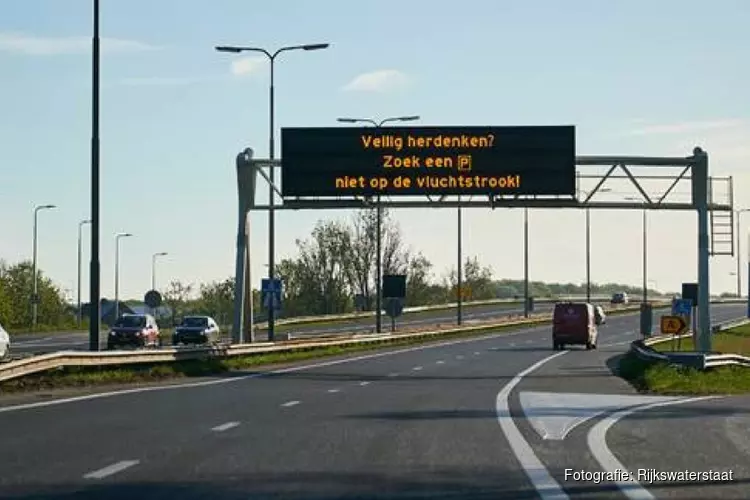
(91, 376)
(662, 378)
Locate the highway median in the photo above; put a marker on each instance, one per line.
(660, 376)
(89, 369)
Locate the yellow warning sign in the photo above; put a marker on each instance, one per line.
(673, 325)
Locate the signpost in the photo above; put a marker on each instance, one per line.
(408, 161)
(673, 325)
(153, 300)
(683, 308)
(270, 293)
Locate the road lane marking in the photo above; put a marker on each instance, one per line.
(597, 442)
(392, 375)
(512, 344)
(440, 362)
(364, 383)
(417, 368)
(290, 403)
(293, 369)
(225, 427)
(539, 476)
(111, 469)
(476, 353)
(332, 391)
(459, 357)
(529, 341)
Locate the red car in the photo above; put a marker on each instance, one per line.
(134, 330)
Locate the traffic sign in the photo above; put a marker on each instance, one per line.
(682, 307)
(270, 293)
(152, 299)
(673, 325)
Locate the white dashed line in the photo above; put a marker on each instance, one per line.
(290, 403)
(225, 427)
(111, 469)
(512, 344)
(417, 368)
(476, 353)
(332, 391)
(440, 362)
(459, 357)
(391, 375)
(364, 383)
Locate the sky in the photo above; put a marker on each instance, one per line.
(635, 77)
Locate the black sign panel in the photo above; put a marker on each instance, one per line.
(356, 161)
(394, 286)
(690, 292)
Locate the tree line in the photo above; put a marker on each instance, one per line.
(333, 272)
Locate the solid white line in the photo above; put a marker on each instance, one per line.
(111, 469)
(364, 383)
(543, 482)
(417, 368)
(290, 403)
(597, 441)
(332, 391)
(225, 427)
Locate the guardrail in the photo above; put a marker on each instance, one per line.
(701, 361)
(62, 359)
(435, 307)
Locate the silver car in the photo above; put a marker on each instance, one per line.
(196, 330)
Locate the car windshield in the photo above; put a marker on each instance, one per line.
(131, 322)
(195, 322)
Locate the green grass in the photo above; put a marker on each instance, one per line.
(734, 341)
(662, 378)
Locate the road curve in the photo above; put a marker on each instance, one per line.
(415, 422)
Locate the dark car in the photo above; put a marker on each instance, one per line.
(619, 298)
(196, 330)
(134, 330)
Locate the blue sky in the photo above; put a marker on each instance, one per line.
(635, 77)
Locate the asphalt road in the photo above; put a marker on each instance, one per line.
(420, 422)
(38, 343)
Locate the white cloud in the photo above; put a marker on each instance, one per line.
(20, 43)
(382, 80)
(246, 66)
(687, 127)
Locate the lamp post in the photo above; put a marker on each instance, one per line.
(78, 310)
(35, 274)
(645, 249)
(153, 268)
(588, 240)
(739, 258)
(94, 265)
(379, 219)
(118, 237)
(271, 152)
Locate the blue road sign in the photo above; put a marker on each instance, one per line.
(682, 307)
(270, 293)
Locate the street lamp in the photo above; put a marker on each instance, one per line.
(35, 275)
(739, 259)
(271, 152)
(153, 268)
(379, 223)
(645, 249)
(80, 228)
(118, 236)
(588, 240)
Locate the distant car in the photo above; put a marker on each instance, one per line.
(196, 330)
(134, 330)
(620, 298)
(601, 318)
(4, 344)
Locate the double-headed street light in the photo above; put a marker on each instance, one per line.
(271, 152)
(153, 268)
(35, 274)
(379, 223)
(118, 237)
(78, 310)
